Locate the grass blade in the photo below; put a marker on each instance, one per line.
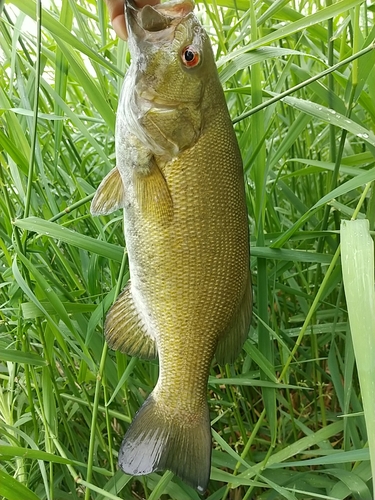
(358, 274)
(53, 230)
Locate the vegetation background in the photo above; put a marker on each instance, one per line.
(287, 418)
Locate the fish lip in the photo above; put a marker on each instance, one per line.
(153, 101)
(175, 8)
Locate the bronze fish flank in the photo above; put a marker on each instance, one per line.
(179, 179)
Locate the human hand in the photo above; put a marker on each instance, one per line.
(116, 13)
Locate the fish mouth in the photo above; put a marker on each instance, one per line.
(149, 21)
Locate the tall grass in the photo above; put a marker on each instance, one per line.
(288, 419)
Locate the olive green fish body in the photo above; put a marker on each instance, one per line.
(179, 179)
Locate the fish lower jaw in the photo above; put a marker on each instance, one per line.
(149, 100)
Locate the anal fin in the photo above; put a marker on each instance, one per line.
(125, 330)
(109, 195)
(229, 345)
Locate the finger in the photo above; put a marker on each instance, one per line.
(116, 14)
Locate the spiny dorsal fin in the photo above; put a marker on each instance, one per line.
(125, 331)
(109, 195)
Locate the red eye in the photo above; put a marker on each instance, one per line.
(190, 57)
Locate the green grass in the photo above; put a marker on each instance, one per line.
(288, 419)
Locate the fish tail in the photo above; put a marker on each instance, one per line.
(159, 439)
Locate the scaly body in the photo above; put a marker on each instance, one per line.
(179, 179)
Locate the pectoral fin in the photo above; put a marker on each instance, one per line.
(109, 195)
(125, 330)
(230, 343)
(152, 193)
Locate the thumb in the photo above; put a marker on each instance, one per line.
(116, 14)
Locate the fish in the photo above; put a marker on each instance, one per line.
(179, 180)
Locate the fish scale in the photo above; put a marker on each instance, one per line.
(179, 179)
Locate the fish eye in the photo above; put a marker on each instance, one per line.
(190, 57)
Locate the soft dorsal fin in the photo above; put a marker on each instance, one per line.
(109, 195)
(229, 345)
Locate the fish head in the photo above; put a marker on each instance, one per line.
(172, 62)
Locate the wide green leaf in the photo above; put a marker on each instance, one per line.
(11, 489)
(53, 230)
(16, 356)
(58, 29)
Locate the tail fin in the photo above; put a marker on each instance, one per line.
(158, 440)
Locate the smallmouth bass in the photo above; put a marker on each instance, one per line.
(179, 180)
